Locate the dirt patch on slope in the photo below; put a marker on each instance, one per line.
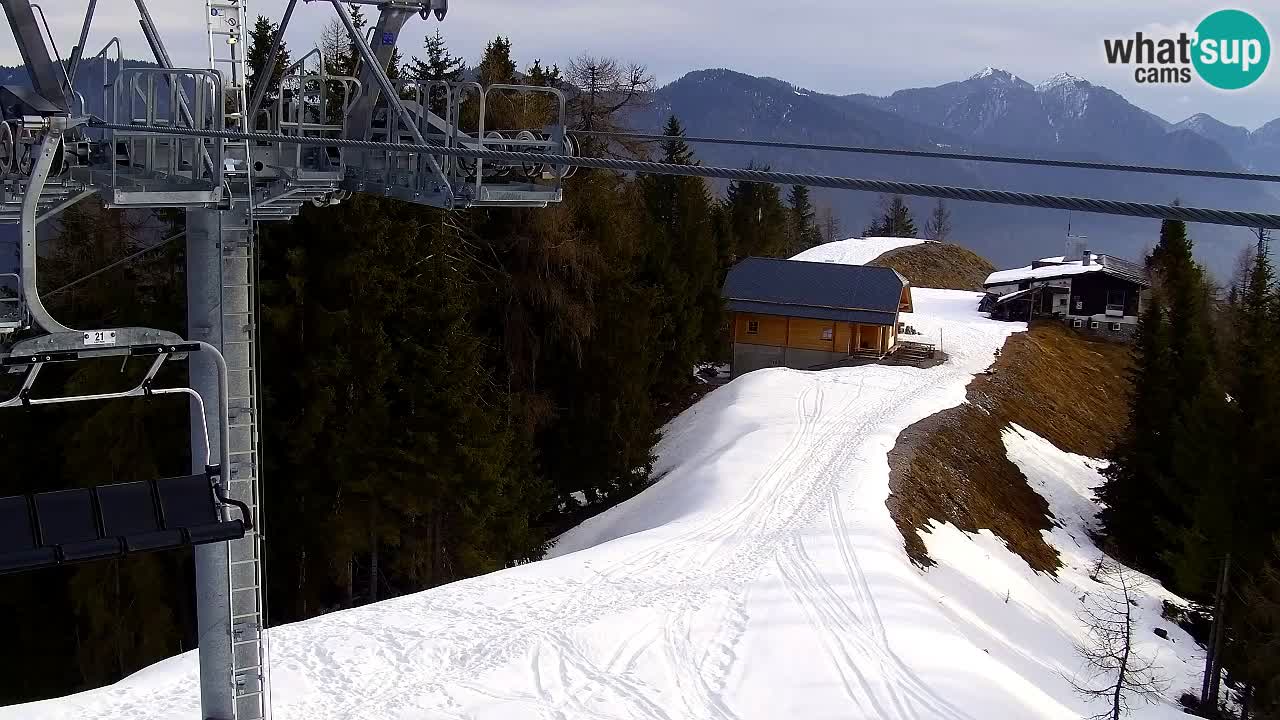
(952, 466)
(938, 265)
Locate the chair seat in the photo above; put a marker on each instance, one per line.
(108, 521)
(27, 559)
(215, 532)
(100, 549)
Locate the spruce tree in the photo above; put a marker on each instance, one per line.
(894, 221)
(1172, 449)
(757, 220)
(1259, 667)
(1130, 496)
(680, 262)
(260, 39)
(440, 64)
(496, 66)
(802, 225)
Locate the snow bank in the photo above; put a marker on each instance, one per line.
(1027, 624)
(855, 251)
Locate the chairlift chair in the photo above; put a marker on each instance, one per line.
(110, 521)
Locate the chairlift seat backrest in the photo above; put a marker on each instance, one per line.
(130, 512)
(19, 549)
(68, 520)
(67, 526)
(187, 502)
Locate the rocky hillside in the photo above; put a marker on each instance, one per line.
(953, 466)
(938, 265)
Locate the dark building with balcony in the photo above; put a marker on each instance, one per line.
(1089, 291)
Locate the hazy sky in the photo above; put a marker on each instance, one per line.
(839, 46)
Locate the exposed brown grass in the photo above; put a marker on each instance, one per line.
(952, 466)
(938, 265)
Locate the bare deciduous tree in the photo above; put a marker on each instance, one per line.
(938, 228)
(1113, 669)
(828, 224)
(601, 91)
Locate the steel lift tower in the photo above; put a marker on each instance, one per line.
(51, 157)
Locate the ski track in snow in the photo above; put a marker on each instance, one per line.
(749, 582)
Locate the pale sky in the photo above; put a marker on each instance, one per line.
(838, 46)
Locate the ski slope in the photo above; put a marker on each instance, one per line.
(855, 251)
(761, 577)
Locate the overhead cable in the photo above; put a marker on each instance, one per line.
(1000, 197)
(897, 152)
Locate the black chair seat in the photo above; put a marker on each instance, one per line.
(161, 540)
(110, 521)
(27, 559)
(91, 550)
(130, 512)
(215, 532)
(18, 547)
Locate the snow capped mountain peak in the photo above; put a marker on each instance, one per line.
(1204, 122)
(998, 76)
(1059, 80)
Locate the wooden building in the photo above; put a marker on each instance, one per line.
(1098, 293)
(790, 313)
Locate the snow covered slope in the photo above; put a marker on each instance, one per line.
(855, 251)
(761, 577)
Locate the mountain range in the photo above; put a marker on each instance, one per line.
(993, 111)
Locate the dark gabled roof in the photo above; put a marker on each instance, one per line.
(1125, 269)
(825, 291)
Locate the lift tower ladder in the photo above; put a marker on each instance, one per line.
(232, 228)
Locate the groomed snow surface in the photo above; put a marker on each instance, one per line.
(855, 251)
(760, 578)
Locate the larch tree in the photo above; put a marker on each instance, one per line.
(599, 90)
(828, 224)
(938, 227)
(1114, 670)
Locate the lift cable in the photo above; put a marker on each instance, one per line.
(1000, 197)
(1011, 159)
(116, 264)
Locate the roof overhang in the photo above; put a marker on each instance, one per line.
(855, 315)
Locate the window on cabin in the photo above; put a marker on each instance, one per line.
(827, 333)
(1115, 300)
(753, 327)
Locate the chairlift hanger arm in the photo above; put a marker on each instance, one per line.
(77, 52)
(33, 354)
(45, 72)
